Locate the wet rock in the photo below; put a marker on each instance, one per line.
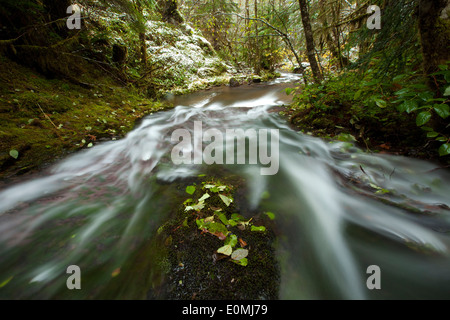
(234, 82)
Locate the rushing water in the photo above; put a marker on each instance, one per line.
(338, 210)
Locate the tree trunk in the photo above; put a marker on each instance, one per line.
(169, 11)
(247, 32)
(311, 51)
(434, 28)
(143, 48)
(257, 53)
(57, 10)
(341, 60)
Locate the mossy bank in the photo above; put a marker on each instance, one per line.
(43, 119)
(215, 247)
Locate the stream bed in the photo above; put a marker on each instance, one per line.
(338, 210)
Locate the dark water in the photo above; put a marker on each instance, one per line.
(338, 210)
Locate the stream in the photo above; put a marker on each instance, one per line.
(338, 210)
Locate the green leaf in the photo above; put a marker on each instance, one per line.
(4, 283)
(239, 254)
(444, 150)
(432, 134)
(222, 218)
(232, 223)
(423, 118)
(442, 110)
(226, 200)
(226, 250)
(197, 207)
(271, 215)
(357, 95)
(411, 107)
(404, 92)
(399, 78)
(200, 223)
(401, 107)
(14, 153)
(408, 106)
(375, 186)
(243, 262)
(237, 217)
(345, 137)
(217, 229)
(190, 189)
(381, 103)
(214, 188)
(259, 229)
(425, 96)
(382, 191)
(203, 198)
(289, 91)
(231, 240)
(447, 92)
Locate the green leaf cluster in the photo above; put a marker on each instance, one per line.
(218, 224)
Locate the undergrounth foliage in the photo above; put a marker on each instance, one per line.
(383, 113)
(213, 247)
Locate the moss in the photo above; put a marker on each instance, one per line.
(268, 75)
(44, 119)
(197, 272)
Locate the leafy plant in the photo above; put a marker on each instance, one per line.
(190, 189)
(14, 153)
(417, 98)
(218, 224)
(369, 98)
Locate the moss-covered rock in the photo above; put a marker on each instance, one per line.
(196, 270)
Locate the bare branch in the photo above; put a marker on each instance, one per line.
(285, 37)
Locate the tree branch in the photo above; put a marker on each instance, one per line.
(285, 37)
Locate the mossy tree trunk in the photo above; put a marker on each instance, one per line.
(311, 50)
(257, 61)
(341, 60)
(57, 9)
(434, 27)
(169, 11)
